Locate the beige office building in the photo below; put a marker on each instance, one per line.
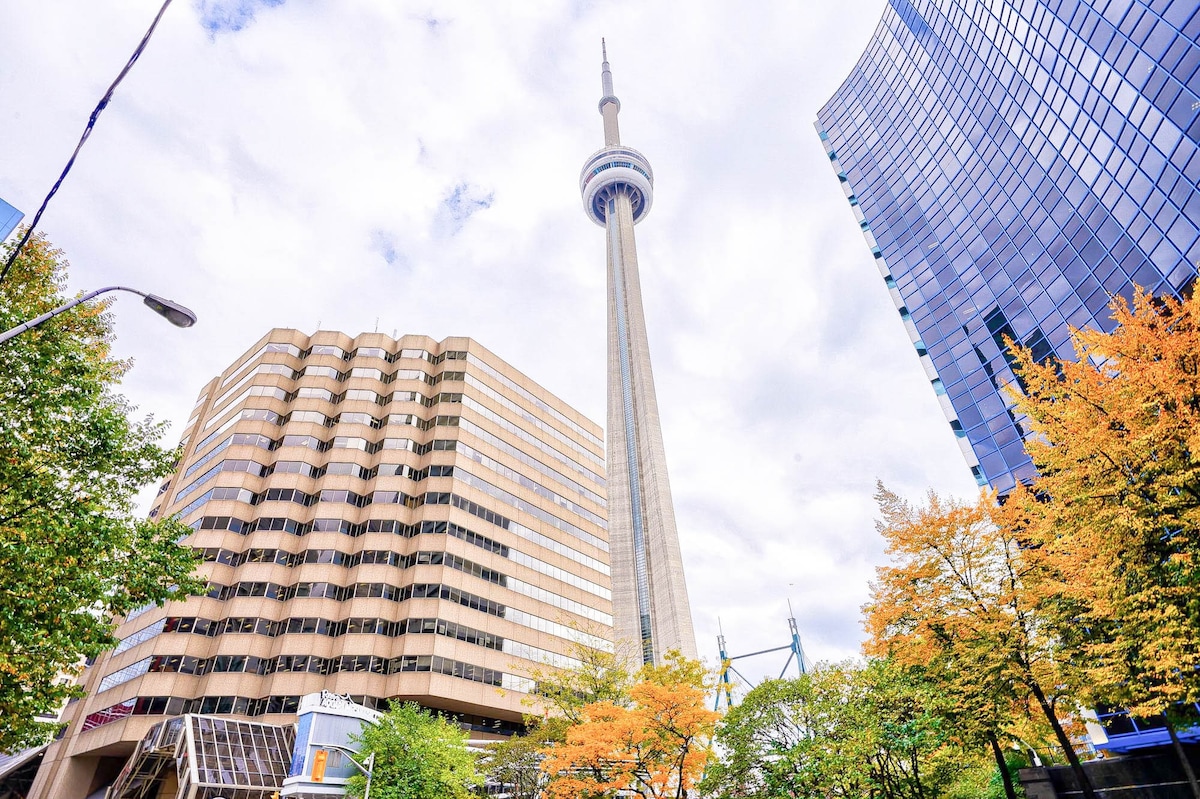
(382, 518)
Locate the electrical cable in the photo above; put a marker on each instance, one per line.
(87, 131)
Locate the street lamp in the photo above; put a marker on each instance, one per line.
(367, 767)
(173, 312)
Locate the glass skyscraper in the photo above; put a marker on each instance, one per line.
(1013, 163)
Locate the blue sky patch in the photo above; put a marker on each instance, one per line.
(387, 245)
(463, 202)
(230, 16)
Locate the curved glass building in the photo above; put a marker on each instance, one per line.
(1012, 164)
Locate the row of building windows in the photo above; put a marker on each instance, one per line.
(411, 420)
(529, 438)
(316, 417)
(324, 590)
(311, 664)
(305, 469)
(278, 419)
(332, 628)
(266, 705)
(530, 397)
(347, 560)
(338, 352)
(345, 593)
(388, 557)
(482, 365)
(395, 470)
(350, 417)
(353, 394)
(528, 460)
(316, 471)
(396, 593)
(305, 499)
(314, 664)
(399, 528)
(313, 370)
(271, 444)
(336, 442)
(395, 527)
(508, 498)
(536, 487)
(529, 418)
(389, 498)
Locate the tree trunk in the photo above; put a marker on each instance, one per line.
(916, 769)
(1009, 791)
(1085, 784)
(1183, 758)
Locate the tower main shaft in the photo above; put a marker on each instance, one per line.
(650, 601)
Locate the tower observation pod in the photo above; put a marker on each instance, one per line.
(650, 602)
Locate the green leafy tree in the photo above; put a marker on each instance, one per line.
(73, 557)
(516, 761)
(601, 675)
(842, 730)
(417, 756)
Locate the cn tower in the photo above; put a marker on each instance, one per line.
(650, 601)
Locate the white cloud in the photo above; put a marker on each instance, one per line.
(304, 170)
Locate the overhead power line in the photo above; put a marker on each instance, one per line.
(87, 131)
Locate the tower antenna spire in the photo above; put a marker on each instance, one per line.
(610, 106)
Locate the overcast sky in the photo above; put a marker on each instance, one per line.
(413, 168)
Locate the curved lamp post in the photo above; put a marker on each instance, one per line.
(367, 767)
(173, 312)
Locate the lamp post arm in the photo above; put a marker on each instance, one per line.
(66, 306)
(367, 769)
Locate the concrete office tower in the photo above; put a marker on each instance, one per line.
(1012, 163)
(650, 598)
(382, 518)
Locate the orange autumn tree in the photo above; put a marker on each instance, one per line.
(655, 747)
(1115, 512)
(959, 601)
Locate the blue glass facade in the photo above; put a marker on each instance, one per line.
(1012, 163)
(9, 219)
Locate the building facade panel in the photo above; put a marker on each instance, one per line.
(359, 536)
(1012, 164)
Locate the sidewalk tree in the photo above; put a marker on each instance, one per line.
(1114, 516)
(417, 756)
(1115, 511)
(600, 674)
(959, 594)
(516, 761)
(849, 729)
(655, 747)
(597, 673)
(73, 557)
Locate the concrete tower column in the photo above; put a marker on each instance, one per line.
(650, 601)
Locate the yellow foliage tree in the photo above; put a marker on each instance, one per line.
(655, 747)
(1113, 519)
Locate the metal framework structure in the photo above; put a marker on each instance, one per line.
(207, 757)
(725, 682)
